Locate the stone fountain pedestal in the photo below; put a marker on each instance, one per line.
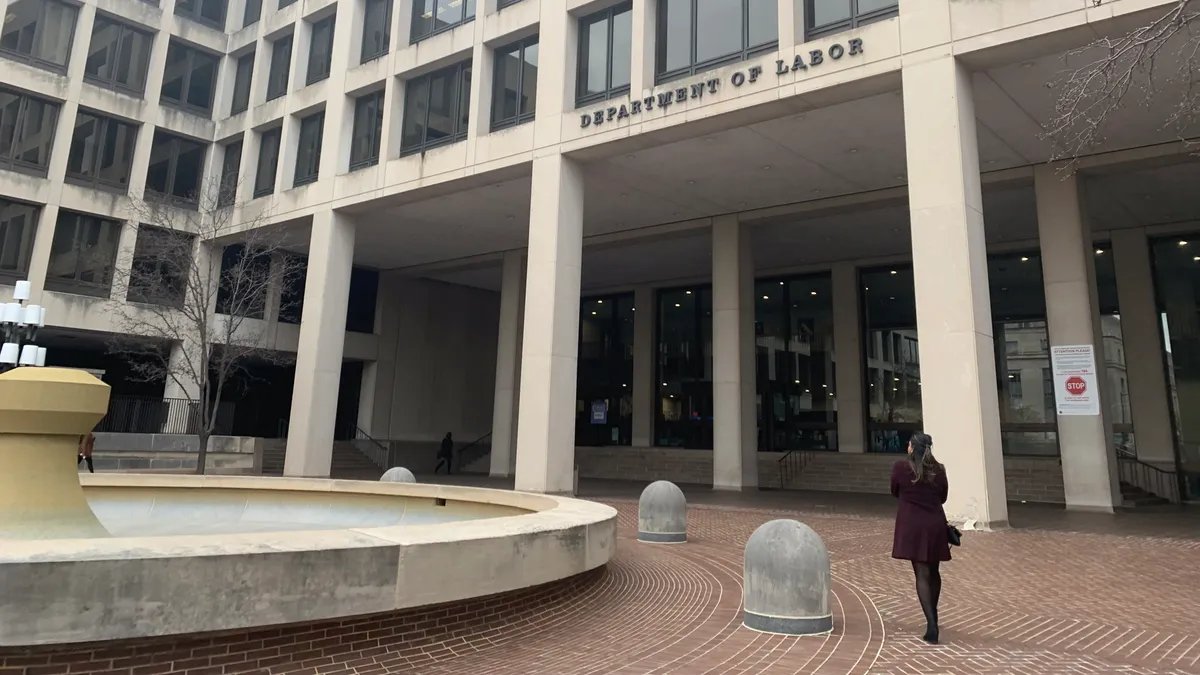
(43, 414)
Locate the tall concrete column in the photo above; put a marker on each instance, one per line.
(1140, 334)
(735, 432)
(954, 322)
(322, 337)
(847, 351)
(643, 367)
(550, 351)
(506, 366)
(1085, 442)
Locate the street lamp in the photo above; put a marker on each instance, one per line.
(19, 324)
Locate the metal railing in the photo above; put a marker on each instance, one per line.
(379, 452)
(144, 415)
(1159, 482)
(473, 451)
(791, 465)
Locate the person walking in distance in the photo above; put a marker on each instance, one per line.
(921, 534)
(445, 454)
(86, 445)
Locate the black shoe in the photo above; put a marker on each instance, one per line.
(931, 635)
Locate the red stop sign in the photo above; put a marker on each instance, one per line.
(1076, 386)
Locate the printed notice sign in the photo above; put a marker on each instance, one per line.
(1076, 389)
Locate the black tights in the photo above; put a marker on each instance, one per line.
(929, 590)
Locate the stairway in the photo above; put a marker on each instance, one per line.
(348, 462)
(1133, 496)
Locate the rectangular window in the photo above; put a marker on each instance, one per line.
(285, 3)
(176, 165)
(252, 13)
(189, 78)
(308, 153)
(514, 88)
(118, 55)
(431, 17)
(231, 164)
(39, 32)
(368, 130)
(436, 109)
(268, 162)
(501, 4)
(320, 50)
(830, 16)
(698, 35)
(241, 84)
(26, 132)
(162, 262)
(605, 48)
(281, 64)
(83, 254)
(18, 222)
(242, 289)
(377, 29)
(101, 151)
(211, 12)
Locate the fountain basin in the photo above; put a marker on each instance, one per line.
(197, 554)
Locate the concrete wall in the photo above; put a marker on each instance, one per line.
(167, 452)
(437, 364)
(1034, 479)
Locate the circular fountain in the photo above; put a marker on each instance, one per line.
(88, 558)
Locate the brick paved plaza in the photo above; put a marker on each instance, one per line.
(1061, 593)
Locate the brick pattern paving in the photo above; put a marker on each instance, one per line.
(1038, 601)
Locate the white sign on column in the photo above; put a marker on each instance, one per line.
(1076, 390)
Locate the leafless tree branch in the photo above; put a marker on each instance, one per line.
(181, 295)
(1115, 68)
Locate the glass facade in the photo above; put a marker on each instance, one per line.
(795, 367)
(604, 390)
(1120, 406)
(684, 368)
(1176, 263)
(892, 363)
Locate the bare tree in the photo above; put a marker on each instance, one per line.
(1154, 61)
(198, 279)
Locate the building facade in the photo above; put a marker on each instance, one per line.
(736, 242)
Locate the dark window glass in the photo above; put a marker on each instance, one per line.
(794, 363)
(434, 16)
(368, 130)
(308, 153)
(253, 13)
(242, 289)
(514, 95)
(231, 164)
(176, 164)
(118, 55)
(320, 50)
(605, 44)
(291, 296)
(281, 64)
(268, 162)
(101, 151)
(26, 131)
(211, 12)
(501, 4)
(18, 222)
(39, 31)
(82, 254)
(364, 292)
(434, 111)
(604, 390)
(684, 368)
(285, 3)
(892, 364)
(189, 77)
(241, 84)
(696, 35)
(162, 261)
(831, 16)
(377, 29)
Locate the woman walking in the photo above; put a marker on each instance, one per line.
(921, 537)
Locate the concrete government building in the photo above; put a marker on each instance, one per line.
(729, 242)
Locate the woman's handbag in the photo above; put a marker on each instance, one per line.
(953, 535)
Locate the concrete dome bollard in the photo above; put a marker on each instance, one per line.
(398, 474)
(786, 580)
(662, 514)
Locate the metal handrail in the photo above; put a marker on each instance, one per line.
(792, 464)
(463, 459)
(1155, 480)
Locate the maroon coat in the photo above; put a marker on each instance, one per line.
(920, 520)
